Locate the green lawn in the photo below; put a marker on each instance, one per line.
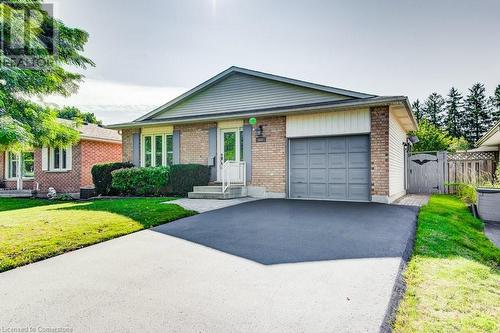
(34, 229)
(453, 277)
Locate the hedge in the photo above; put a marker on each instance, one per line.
(184, 176)
(101, 176)
(141, 181)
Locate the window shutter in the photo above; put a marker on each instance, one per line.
(247, 149)
(69, 158)
(45, 159)
(176, 149)
(136, 149)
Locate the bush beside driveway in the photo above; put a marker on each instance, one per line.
(34, 229)
(453, 277)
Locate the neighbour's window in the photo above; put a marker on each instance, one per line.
(241, 145)
(28, 159)
(27, 162)
(157, 150)
(13, 163)
(58, 158)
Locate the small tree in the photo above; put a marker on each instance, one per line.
(430, 137)
(433, 109)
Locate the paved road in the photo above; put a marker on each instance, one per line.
(269, 265)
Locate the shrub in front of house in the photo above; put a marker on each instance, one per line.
(141, 181)
(184, 176)
(101, 176)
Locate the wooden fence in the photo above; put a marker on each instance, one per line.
(462, 167)
(471, 168)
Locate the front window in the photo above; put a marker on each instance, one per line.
(58, 158)
(157, 150)
(20, 162)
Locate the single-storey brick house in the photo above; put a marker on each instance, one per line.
(308, 140)
(65, 169)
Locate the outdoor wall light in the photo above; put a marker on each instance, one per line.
(259, 131)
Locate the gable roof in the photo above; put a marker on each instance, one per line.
(93, 132)
(490, 138)
(225, 91)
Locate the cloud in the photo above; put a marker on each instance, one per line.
(114, 102)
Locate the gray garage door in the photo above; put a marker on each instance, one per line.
(330, 168)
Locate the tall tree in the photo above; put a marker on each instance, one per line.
(25, 123)
(418, 110)
(495, 103)
(433, 109)
(454, 113)
(73, 113)
(477, 113)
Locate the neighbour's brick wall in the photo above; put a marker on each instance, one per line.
(62, 182)
(194, 142)
(127, 144)
(94, 152)
(379, 150)
(2, 166)
(269, 158)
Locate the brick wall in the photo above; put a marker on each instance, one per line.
(94, 152)
(85, 154)
(127, 144)
(2, 166)
(62, 182)
(269, 158)
(194, 142)
(380, 150)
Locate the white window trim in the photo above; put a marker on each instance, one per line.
(153, 149)
(7, 166)
(68, 160)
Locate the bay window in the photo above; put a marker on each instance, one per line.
(157, 150)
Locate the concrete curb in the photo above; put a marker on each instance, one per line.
(399, 285)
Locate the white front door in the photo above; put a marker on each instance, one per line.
(229, 147)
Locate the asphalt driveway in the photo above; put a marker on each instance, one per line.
(268, 265)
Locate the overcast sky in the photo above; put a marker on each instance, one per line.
(147, 52)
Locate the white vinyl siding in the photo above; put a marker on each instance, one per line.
(240, 92)
(397, 136)
(328, 123)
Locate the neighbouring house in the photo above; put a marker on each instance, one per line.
(65, 169)
(490, 141)
(280, 137)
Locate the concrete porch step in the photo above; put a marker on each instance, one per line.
(15, 193)
(215, 192)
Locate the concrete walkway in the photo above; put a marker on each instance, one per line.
(492, 231)
(206, 205)
(416, 200)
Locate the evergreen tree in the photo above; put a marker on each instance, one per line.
(495, 103)
(477, 113)
(433, 109)
(418, 110)
(454, 113)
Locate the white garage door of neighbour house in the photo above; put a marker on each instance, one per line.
(335, 168)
